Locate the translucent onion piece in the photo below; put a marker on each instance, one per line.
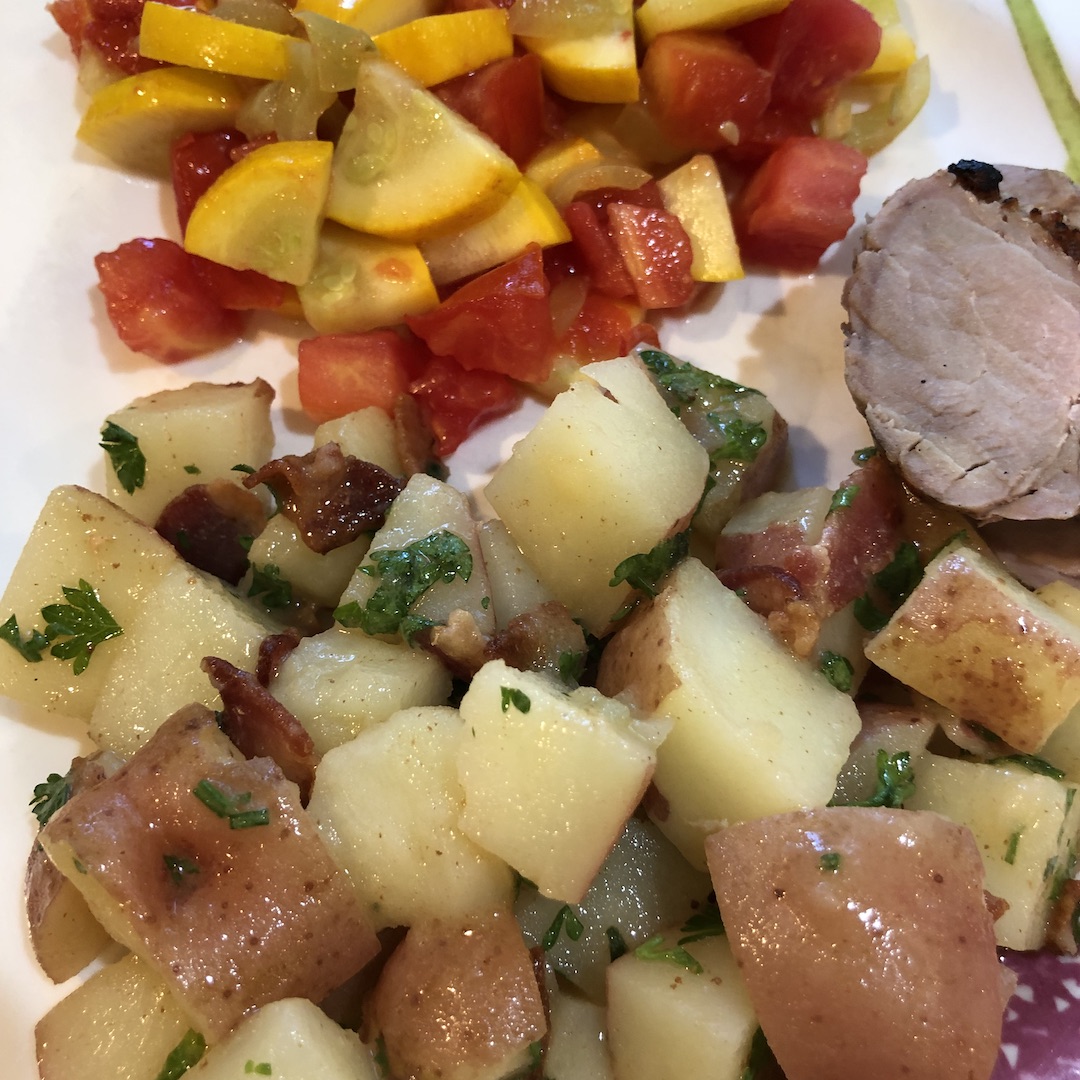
(265, 14)
(567, 299)
(292, 107)
(337, 50)
(591, 175)
(568, 18)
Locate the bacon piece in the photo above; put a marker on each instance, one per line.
(207, 524)
(331, 497)
(273, 650)
(258, 725)
(537, 640)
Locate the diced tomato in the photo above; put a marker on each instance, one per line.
(773, 127)
(456, 402)
(241, 290)
(506, 101)
(197, 161)
(811, 47)
(340, 373)
(798, 203)
(158, 303)
(599, 255)
(647, 194)
(656, 251)
(109, 27)
(703, 88)
(604, 329)
(499, 321)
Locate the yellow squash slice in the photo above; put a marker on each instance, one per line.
(656, 17)
(598, 68)
(265, 212)
(371, 16)
(135, 121)
(408, 168)
(441, 47)
(192, 39)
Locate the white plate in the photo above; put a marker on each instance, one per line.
(65, 370)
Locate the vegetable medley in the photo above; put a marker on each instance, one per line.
(517, 184)
(657, 772)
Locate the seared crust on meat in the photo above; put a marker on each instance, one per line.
(963, 341)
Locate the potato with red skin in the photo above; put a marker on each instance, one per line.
(459, 999)
(865, 942)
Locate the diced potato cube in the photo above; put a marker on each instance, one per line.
(666, 1022)
(342, 682)
(367, 434)
(756, 730)
(193, 435)
(318, 577)
(550, 777)
(121, 1024)
(577, 1042)
(158, 669)
(291, 1039)
(387, 805)
(424, 507)
(515, 588)
(950, 639)
(608, 472)
(1025, 826)
(189, 829)
(78, 536)
(644, 885)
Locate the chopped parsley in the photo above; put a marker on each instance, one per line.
(179, 869)
(234, 807)
(645, 571)
(829, 863)
(259, 1068)
(838, 670)
(49, 796)
(572, 667)
(893, 585)
(686, 383)
(536, 1055)
(128, 461)
(565, 921)
(242, 468)
(741, 439)
(404, 576)
(895, 781)
(511, 696)
(1032, 764)
(760, 1061)
(72, 630)
(861, 457)
(31, 648)
(381, 1057)
(702, 924)
(192, 470)
(616, 943)
(843, 496)
(187, 1052)
(1012, 845)
(653, 949)
(269, 587)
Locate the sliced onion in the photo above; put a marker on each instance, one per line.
(265, 14)
(568, 18)
(290, 108)
(566, 300)
(590, 175)
(337, 50)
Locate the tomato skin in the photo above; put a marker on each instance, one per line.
(798, 203)
(159, 305)
(656, 251)
(699, 84)
(455, 402)
(241, 290)
(506, 101)
(340, 373)
(604, 329)
(598, 254)
(497, 322)
(811, 47)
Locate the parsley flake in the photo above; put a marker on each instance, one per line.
(31, 648)
(49, 796)
(187, 1052)
(259, 1068)
(895, 781)
(653, 949)
(838, 670)
(269, 587)
(511, 696)
(740, 439)
(179, 869)
(404, 576)
(829, 863)
(1012, 845)
(842, 496)
(702, 924)
(894, 584)
(565, 920)
(83, 622)
(1032, 763)
(128, 461)
(234, 807)
(645, 571)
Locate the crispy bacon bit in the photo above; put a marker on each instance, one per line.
(537, 640)
(995, 905)
(331, 497)
(273, 651)
(764, 588)
(207, 524)
(1060, 930)
(415, 440)
(460, 644)
(260, 726)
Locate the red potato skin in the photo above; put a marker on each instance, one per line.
(884, 967)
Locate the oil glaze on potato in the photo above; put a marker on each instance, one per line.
(865, 942)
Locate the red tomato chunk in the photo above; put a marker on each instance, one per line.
(158, 303)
